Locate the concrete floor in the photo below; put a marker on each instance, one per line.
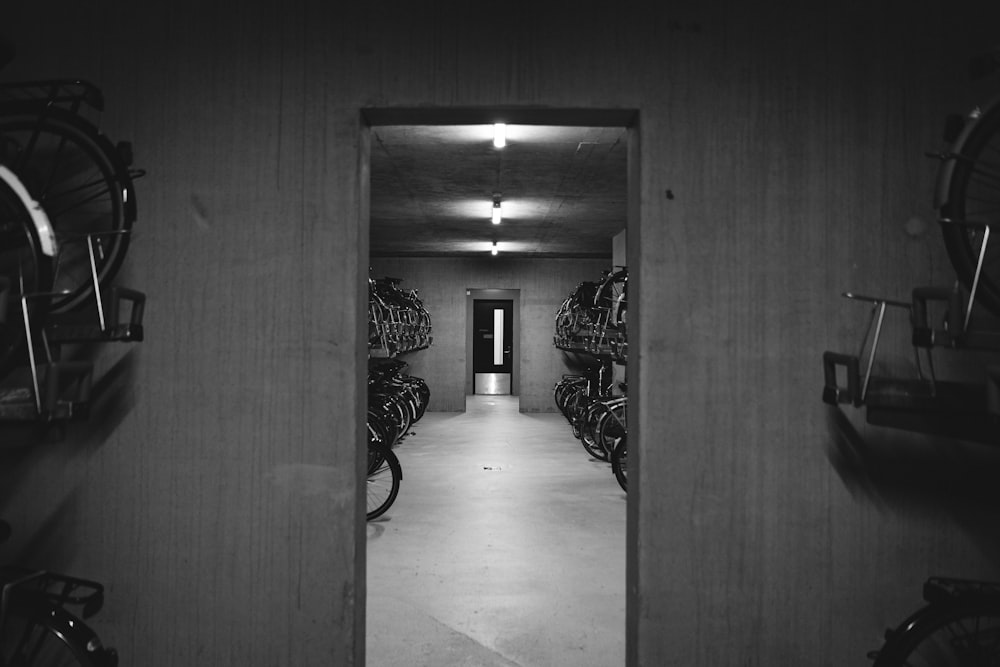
(504, 548)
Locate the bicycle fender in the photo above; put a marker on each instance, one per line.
(948, 159)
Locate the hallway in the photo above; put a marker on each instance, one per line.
(505, 547)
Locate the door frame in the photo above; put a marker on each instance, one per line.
(628, 118)
(494, 294)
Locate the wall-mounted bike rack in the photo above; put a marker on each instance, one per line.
(967, 198)
(398, 322)
(60, 390)
(966, 408)
(69, 203)
(592, 319)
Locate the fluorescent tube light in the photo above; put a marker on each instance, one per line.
(499, 135)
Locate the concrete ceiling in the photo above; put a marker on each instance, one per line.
(562, 189)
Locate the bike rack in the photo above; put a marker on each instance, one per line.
(60, 589)
(585, 327)
(109, 325)
(57, 391)
(398, 328)
(60, 390)
(924, 403)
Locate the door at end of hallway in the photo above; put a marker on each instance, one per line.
(492, 345)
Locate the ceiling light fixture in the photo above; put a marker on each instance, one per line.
(499, 135)
(496, 210)
(493, 250)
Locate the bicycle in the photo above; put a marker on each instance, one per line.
(37, 629)
(958, 626)
(396, 401)
(580, 392)
(619, 460)
(384, 477)
(82, 180)
(967, 195)
(28, 249)
(592, 318)
(608, 335)
(601, 425)
(398, 322)
(574, 317)
(596, 416)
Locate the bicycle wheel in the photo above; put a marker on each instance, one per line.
(38, 633)
(575, 410)
(612, 426)
(382, 484)
(561, 392)
(588, 431)
(27, 249)
(82, 182)
(954, 635)
(968, 199)
(619, 462)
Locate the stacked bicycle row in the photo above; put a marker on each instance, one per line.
(593, 318)
(597, 415)
(67, 207)
(397, 319)
(396, 401)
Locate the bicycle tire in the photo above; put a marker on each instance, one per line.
(27, 251)
(963, 634)
(967, 193)
(588, 430)
(619, 462)
(84, 185)
(40, 633)
(560, 393)
(566, 390)
(382, 483)
(613, 426)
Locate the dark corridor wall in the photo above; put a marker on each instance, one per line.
(218, 500)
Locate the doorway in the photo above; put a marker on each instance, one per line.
(492, 342)
(555, 117)
(492, 334)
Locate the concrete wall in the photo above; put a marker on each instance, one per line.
(442, 285)
(619, 253)
(216, 495)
